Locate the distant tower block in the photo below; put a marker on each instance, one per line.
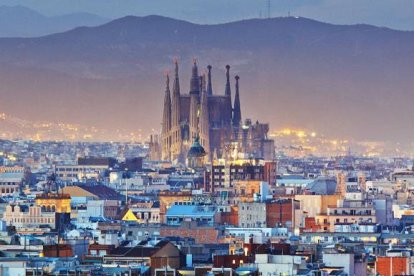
(362, 181)
(340, 184)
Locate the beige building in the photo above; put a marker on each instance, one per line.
(316, 204)
(28, 216)
(346, 212)
(147, 212)
(71, 172)
(252, 214)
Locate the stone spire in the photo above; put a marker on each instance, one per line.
(166, 126)
(202, 84)
(176, 98)
(236, 108)
(195, 81)
(228, 89)
(227, 119)
(176, 85)
(175, 140)
(194, 115)
(204, 125)
(194, 101)
(209, 85)
(166, 121)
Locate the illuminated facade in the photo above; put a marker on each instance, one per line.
(60, 204)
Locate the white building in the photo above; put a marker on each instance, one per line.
(259, 235)
(279, 264)
(347, 261)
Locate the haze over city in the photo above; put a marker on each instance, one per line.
(335, 80)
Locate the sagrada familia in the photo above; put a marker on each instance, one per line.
(214, 121)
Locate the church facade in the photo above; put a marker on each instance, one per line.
(215, 121)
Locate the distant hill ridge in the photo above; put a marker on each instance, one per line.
(20, 21)
(344, 80)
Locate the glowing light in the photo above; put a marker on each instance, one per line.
(286, 131)
(300, 134)
(12, 158)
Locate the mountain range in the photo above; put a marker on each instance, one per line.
(20, 21)
(347, 81)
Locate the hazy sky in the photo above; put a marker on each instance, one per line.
(398, 14)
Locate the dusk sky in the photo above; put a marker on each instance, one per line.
(398, 14)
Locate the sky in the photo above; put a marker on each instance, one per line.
(396, 14)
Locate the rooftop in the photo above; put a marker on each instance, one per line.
(191, 210)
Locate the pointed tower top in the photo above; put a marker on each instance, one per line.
(228, 90)
(236, 108)
(167, 81)
(209, 85)
(176, 66)
(176, 85)
(195, 80)
(195, 68)
(166, 121)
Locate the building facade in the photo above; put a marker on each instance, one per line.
(213, 119)
(11, 180)
(29, 216)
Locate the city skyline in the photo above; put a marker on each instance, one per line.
(206, 138)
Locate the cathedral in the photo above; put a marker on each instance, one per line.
(203, 117)
(198, 115)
